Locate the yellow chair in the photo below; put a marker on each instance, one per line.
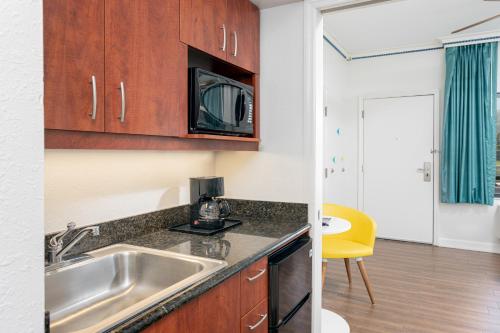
(357, 243)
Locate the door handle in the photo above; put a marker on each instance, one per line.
(235, 34)
(257, 324)
(427, 171)
(253, 278)
(122, 113)
(223, 28)
(94, 97)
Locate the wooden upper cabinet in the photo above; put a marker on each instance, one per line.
(243, 19)
(226, 29)
(74, 64)
(145, 68)
(203, 26)
(116, 71)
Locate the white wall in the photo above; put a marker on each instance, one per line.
(96, 186)
(463, 226)
(340, 132)
(276, 172)
(21, 167)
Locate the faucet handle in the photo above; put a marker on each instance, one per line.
(56, 241)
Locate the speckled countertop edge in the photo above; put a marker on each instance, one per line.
(159, 310)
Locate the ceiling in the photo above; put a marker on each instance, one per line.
(406, 23)
(272, 3)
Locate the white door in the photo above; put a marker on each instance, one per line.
(398, 166)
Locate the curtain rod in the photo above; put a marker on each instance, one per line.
(472, 41)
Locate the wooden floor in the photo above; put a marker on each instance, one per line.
(418, 288)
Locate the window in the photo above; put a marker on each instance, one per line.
(497, 188)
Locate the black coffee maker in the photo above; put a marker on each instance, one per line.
(207, 211)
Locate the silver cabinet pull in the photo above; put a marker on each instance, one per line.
(224, 40)
(122, 114)
(94, 97)
(257, 324)
(235, 34)
(261, 272)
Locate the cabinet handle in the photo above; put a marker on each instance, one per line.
(224, 40)
(122, 114)
(235, 34)
(261, 272)
(257, 324)
(94, 97)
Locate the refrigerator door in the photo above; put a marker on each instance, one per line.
(290, 280)
(299, 322)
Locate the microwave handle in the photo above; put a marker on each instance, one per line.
(242, 105)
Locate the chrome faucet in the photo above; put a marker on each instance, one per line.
(56, 247)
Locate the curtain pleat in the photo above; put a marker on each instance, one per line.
(468, 159)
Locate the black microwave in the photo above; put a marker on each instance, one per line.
(219, 105)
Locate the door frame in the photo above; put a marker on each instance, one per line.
(435, 155)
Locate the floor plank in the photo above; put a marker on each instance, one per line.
(418, 289)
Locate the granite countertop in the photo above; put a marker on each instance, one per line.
(255, 238)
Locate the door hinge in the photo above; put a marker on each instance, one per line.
(326, 111)
(363, 114)
(319, 215)
(326, 173)
(362, 168)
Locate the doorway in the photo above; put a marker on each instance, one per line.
(396, 181)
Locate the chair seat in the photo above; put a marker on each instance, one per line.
(339, 248)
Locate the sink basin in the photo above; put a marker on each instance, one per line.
(116, 283)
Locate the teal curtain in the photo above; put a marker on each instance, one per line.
(468, 154)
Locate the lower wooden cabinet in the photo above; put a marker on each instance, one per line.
(254, 285)
(256, 321)
(215, 311)
(239, 304)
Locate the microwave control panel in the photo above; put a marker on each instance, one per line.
(250, 112)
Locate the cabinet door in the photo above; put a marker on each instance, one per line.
(215, 311)
(244, 28)
(256, 321)
(74, 64)
(218, 310)
(254, 285)
(181, 320)
(145, 66)
(204, 27)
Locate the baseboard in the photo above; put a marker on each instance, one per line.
(469, 245)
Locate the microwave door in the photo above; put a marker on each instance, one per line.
(240, 108)
(230, 102)
(219, 105)
(212, 107)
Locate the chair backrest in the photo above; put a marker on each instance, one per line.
(363, 227)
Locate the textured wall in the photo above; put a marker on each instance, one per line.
(92, 186)
(21, 166)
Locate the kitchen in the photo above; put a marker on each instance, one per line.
(109, 164)
(143, 76)
(161, 170)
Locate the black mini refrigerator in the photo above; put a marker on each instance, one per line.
(290, 288)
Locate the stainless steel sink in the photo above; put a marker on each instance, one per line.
(116, 283)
